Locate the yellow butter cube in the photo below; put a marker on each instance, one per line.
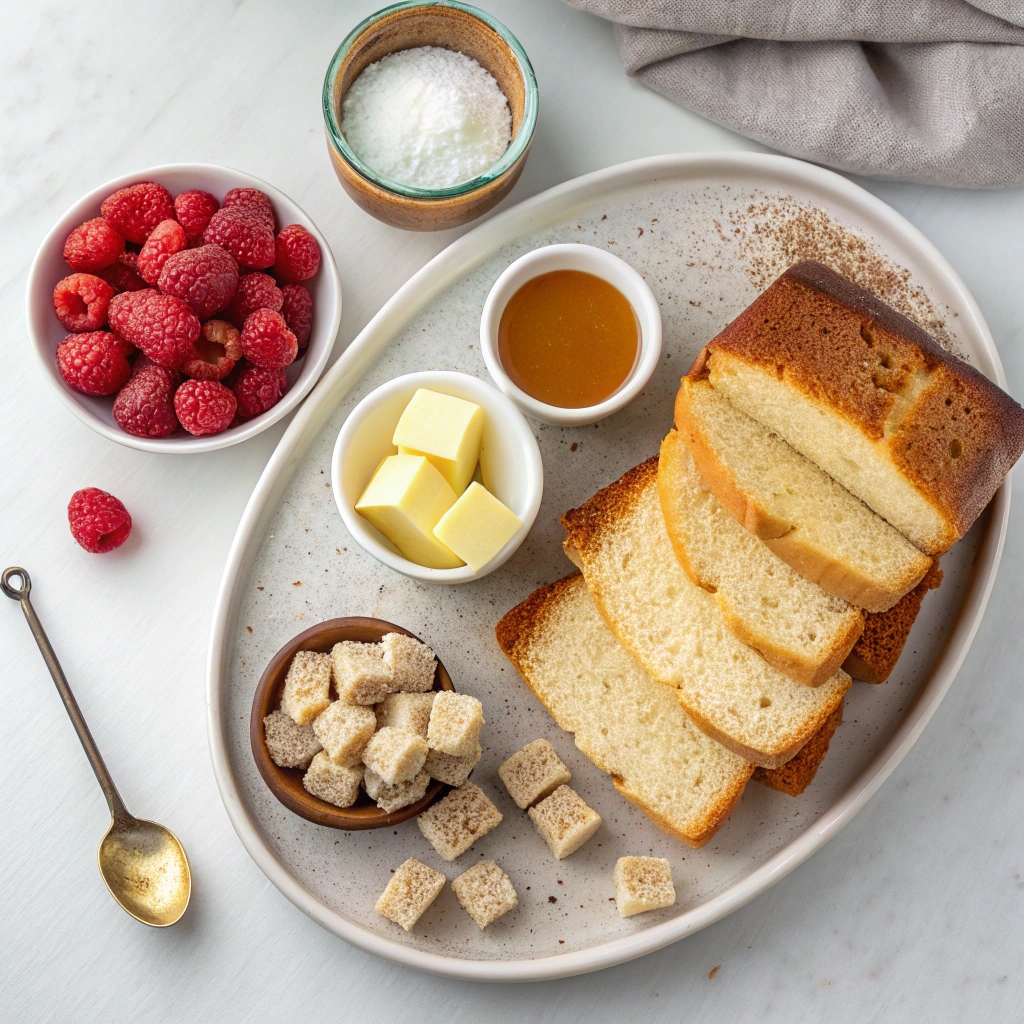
(446, 430)
(405, 499)
(477, 526)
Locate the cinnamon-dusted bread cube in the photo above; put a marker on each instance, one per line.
(411, 890)
(455, 721)
(344, 730)
(360, 675)
(396, 755)
(454, 824)
(642, 884)
(565, 821)
(409, 711)
(453, 771)
(485, 893)
(392, 798)
(533, 773)
(289, 745)
(412, 664)
(332, 782)
(307, 686)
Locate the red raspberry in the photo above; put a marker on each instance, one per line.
(135, 210)
(253, 200)
(121, 277)
(194, 210)
(92, 246)
(244, 234)
(217, 349)
(162, 326)
(255, 291)
(297, 255)
(94, 363)
(205, 278)
(98, 521)
(81, 302)
(258, 389)
(297, 310)
(167, 238)
(266, 340)
(204, 407)
(145, 405)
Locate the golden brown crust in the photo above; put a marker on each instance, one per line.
(608, 506)
(798, 773)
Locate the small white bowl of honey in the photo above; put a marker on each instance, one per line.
(570, 333)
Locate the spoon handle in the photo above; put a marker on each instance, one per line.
(21, 594)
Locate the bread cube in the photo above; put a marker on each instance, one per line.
(344, 730)
(453, 771)
(533, 773)
(565, 821)
(307, 686)
(392, 798)
(455, 721)
(454, 824)
(412, 889)
(332, 782)
(396, 755)
(642, 884)
(289, 745)
(409, 711)
(360, 675)
(485, 892)
(412, 664)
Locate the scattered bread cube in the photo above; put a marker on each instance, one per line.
(392, 798)
(289, 745)
(485, 892)
(477, 526)
(532, 773)
(411, 890)
(455, 721)
(564, 820)
(454, 824)
(360, 675)
(453, 771)
(332, 782)
(344, 730)
(412, 664)
(307, 686)
(396, 755)
(642, 884)
(409, 711)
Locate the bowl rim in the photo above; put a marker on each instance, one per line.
(514, 421)
(517, 148)
(648, 355)
(183, 443)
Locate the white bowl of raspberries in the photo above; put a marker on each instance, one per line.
(183, 308)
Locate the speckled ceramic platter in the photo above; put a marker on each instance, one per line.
(707, 233)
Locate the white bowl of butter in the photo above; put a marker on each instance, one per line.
(419, 496)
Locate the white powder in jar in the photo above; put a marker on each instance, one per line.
(427, 117)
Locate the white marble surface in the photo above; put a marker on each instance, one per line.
(916, 911)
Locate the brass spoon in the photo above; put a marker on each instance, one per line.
(142, 863)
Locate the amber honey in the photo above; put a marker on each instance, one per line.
(568, 339)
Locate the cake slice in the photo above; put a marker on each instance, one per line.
(798, 772)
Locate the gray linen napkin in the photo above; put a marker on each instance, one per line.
(921, 90)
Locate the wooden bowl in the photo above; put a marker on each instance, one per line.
(455, 26)
(286, 783)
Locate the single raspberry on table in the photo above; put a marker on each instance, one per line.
(258, 388)
(297, 310)
(255, 201)
(204, 407)
(135, 210)
(98, 521)
(255, 291)
(166, 239)
(296, 254)
(92, 246)
(163, 326)
(145, 405)
(95, 363)
(194, 209)
(244, 234)
(266, 340)
(217, 349)
(205, 278)
(82, 302)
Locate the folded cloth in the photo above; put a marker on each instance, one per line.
(923, 90)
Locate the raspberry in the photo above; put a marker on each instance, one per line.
(82, 301)
(95, 363)
(205, 278)
(162, 326)
(145, 405)
(167, 238)
(194, 210)
(255, 291)
(297, 310)
(92, 246)
(135, 210)
(266, 340)
(122, 277)
(253, 200)
(204, 407)
(244, 234)
(258, 389)
(297, 255)
(217, 349)
(98, 521)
